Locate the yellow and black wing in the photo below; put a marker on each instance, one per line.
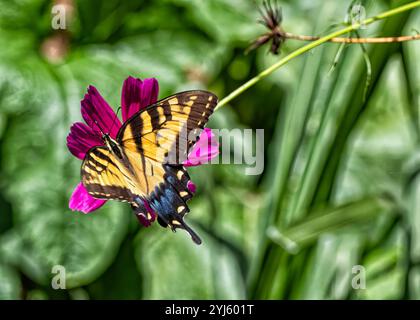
(107, 177)
(154, 143)
(166, 130)
(104, 178)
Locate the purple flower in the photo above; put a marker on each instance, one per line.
(136, 95)
(203, 150)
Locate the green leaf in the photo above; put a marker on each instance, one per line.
(223, 19)
(173, 267)
(330, 220)
(328, 275)
(10, 286)
(39, 186)
(122, 276)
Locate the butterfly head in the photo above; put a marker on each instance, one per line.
(112, 145)
(106, 136)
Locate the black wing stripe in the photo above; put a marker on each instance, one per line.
(135, 124)
(154, 118)
(107, 192)
(102, 178)
(167, 110)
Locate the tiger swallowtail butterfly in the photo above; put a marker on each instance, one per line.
(134, 167)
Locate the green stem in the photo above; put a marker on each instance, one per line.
(312, 45)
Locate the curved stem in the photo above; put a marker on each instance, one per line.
(312, 45)
(289, 35)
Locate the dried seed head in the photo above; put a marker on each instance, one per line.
(271, 18)
(271, 15)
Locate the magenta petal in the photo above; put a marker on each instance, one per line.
(82, 201)
(149, 92)
(191, 186)
(137, 94)
(150, 210)
(205, 149)
(145, 221)
(81, 138)
(98, 114)
(130, 97)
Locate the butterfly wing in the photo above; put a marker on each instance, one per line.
(102, 176)
(156, 141)
(105, 177)
(164, 187)
(146, 171)
(166, 130)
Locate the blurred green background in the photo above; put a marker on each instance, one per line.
(341, 185)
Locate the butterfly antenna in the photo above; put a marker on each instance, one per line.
(100, 129)
(115, 118)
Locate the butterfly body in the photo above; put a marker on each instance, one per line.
(112, 145)
(143, 165)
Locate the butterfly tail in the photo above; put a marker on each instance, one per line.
(193, 234)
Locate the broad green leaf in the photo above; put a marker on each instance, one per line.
(10, 285)
(122, 280)
(173, 267)
(39, 187)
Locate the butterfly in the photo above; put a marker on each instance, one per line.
(144, 162)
